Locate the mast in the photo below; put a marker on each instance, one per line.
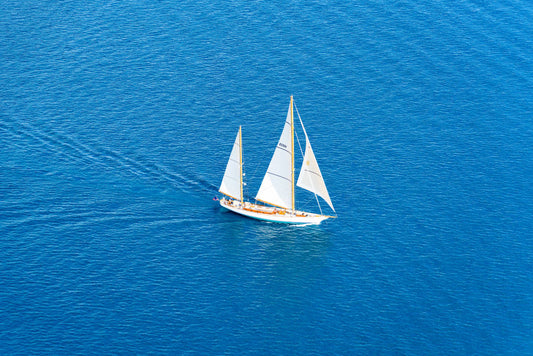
(292, 153)
(240, 162)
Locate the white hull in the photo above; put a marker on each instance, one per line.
(272, 214)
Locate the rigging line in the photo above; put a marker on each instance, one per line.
(296, 134)
(245, 188)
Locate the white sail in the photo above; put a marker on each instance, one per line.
(310, 177)
(277, 186)
(232, 182)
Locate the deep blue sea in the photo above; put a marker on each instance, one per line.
(116, 122)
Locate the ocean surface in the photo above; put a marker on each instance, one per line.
(116, 122)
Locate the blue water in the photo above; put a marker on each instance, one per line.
(116, 122)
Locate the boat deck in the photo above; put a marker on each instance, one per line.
(263, 212)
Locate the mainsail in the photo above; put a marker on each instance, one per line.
(232, 182)
(310, 177)
(277, 186)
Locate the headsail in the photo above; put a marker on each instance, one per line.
(310, 176)
(277, 186)
(232, 182)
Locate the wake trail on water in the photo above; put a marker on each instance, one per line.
(86, 154)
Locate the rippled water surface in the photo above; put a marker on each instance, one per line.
(116, 122)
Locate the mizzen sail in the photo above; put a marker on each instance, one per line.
(232, 182)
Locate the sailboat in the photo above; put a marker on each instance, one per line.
(277, 189)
